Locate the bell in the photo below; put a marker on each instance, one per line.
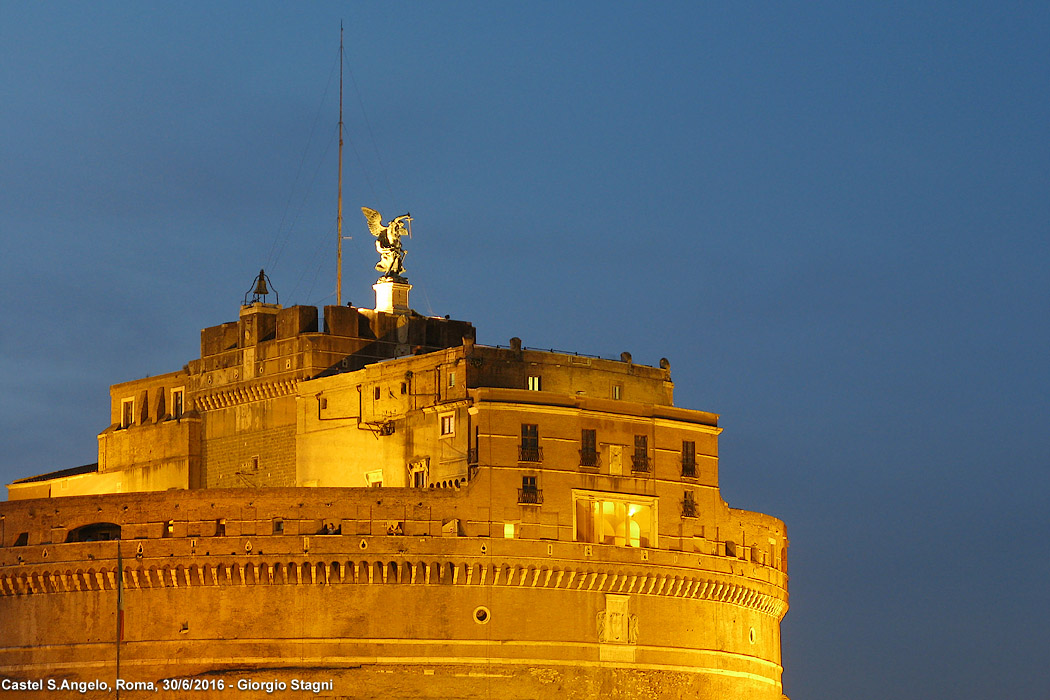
(260, 285)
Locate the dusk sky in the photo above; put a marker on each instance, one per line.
(833, 219)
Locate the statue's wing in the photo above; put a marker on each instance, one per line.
(375, 220)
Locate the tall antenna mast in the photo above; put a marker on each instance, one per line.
(339, 212)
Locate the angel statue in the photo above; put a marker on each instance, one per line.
(388, 242)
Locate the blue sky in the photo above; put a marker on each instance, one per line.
(832, 218)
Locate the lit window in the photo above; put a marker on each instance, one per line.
(508, 530)
(127, 412)
(178, 398)
(451, 379)
(534, 383)
(603, 518)
(374, 479)
(617, 391)
(448, 424)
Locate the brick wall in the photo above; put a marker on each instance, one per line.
(252, 458)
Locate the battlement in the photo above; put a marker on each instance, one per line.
(211, 526)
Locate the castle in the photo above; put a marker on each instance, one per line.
(370, 504)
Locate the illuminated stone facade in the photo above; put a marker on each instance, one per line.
(386, 505)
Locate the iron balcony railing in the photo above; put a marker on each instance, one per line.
(688, 508)
(530, 496)
(590, 458)
(530, 453)
(689, 468)
(639, 462)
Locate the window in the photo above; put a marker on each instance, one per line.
(95, 532)
(220, 527)
(534, 383)
(374, 479)
(404, 388)
(451, 379)
(375, 393)
(177, 402)
(688, 505)
(688, 458)
(640, 458)
(617, 391)
(278, 527)
(529, 493)
(127, 412)
(417, 473)
(529, 451)
(588, 448)
(624, 521)
(448, 424)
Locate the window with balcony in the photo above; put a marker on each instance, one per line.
(605, 518)
(529, 450)
(688, 458)
(589, 448)
(640, 458)
(529, 493)
(688, 505)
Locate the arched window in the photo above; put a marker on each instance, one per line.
(95, 532)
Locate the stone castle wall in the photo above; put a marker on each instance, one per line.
(214, 588)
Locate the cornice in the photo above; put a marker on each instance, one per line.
(237, 395)
(251, 570)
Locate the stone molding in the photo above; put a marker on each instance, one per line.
(245, 394)
(392, 571)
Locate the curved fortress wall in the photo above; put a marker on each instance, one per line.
(454, 612)
(548, 525)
